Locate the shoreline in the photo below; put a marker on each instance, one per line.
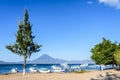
(57, 76)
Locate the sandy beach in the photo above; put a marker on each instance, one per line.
(56, 76)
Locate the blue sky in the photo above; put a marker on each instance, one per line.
(67, 29)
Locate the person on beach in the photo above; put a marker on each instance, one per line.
(102, 67)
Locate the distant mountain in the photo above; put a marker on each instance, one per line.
(87, 61)
(2, 62)
(22, 62)
(46, 59)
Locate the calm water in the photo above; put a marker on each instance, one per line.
(6, 68)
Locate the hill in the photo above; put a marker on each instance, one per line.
(46, 59)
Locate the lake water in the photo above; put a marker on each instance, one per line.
(6, 68)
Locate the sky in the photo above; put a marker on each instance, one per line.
(66, 29)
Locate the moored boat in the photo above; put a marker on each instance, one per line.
(33, 69)
(84, 65)
(14, 70)
(44, 70)
(57, 69)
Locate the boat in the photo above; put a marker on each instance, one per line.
(44, 70)
(93, 66)
(57, 69)
(84, 65)
(75, 68)
(14, 70)
(66, 67)
(33, 69)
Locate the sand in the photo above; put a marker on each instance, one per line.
(56, 76)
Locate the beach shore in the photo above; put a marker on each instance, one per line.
(57, 76)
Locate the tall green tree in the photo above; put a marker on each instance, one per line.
(117, 56)
(103, 52)
(24, 45)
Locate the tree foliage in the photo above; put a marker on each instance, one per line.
(103, 52)
(24, 45)
(117, 56)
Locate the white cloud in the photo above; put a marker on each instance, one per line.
(89, 2)
(112, 3)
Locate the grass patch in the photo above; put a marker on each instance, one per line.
(81, 71)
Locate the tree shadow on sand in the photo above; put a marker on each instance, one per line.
(108, 76)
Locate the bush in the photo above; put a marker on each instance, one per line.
(81, 71)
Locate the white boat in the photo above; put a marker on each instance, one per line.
(84, 65)
(65, 66)
(44, 70)
(57, 69)
(14, 70)
(93, 66)
(33, 69)
(75, 68)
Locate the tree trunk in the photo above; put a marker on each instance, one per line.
(24, 66)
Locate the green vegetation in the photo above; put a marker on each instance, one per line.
(105, 52)
(81, 71)
(24, 45)
(117, 56)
